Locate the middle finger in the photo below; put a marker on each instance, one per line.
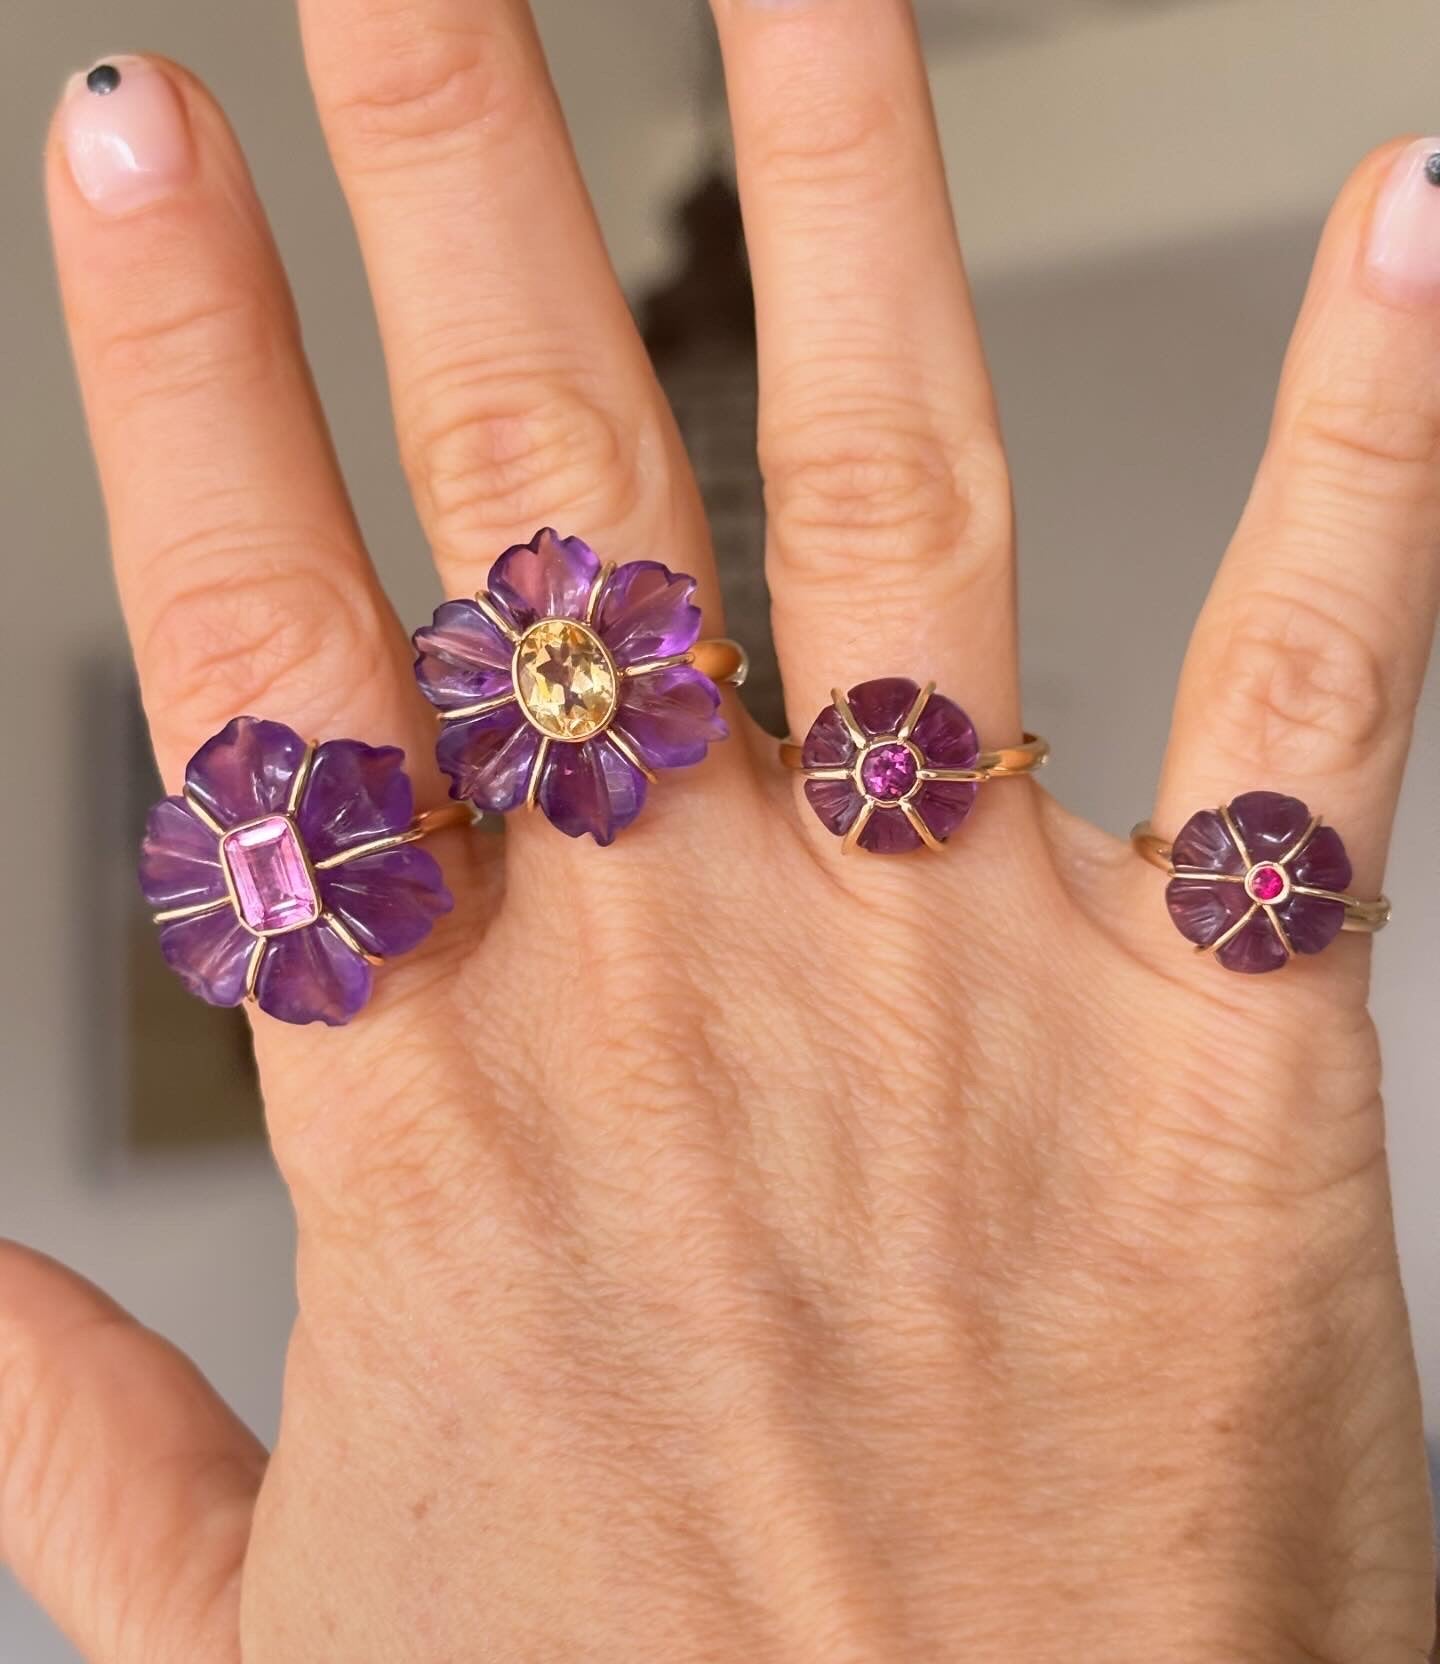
(523, 394)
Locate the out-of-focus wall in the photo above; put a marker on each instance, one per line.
(1140, 199)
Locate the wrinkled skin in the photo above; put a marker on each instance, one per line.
(712, 1249)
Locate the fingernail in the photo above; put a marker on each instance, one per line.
(125, 134)
(1404, 253)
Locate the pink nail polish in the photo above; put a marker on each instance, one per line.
(125, 134)
(1404, 253)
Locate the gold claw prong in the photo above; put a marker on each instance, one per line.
(913, 715)
(857, 827)
(537, 768)
(488, 606)
(627, 751)
(847, 716)
(917, 821)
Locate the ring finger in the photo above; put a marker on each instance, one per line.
(889, 546)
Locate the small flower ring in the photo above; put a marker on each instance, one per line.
(1259, 881)
(893, 767)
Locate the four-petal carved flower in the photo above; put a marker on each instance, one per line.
(1257, 882)
(566, 684)
(283, 873)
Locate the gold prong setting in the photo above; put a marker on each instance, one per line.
(889, 772)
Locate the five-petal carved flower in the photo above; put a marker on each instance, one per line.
(284, 873)
(566, 684)
(1258, 882)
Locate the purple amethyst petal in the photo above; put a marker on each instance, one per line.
(311, 976)
(1311, 922)
(881, 706)
(1269, 824)
(944, 804)
(591, 788)
(389, 900)
(1323, 863)
(945, 735)
(835, 802)
(210, 954)
(488, 758)
(646, 612)
(670, 716)
(828, 744)
(179, 858)
(244, 772)
(463, 657)
(887, 832)
(1203, 910)
(355, 793)
(549, 577)
(1205, 844)
(1255, 950)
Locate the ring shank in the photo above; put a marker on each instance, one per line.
(1365, 917)
(722, 660)
(1008, 763)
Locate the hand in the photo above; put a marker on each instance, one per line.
(711, 1249)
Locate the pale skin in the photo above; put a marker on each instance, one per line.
(641, 1318)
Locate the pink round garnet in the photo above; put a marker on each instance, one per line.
(889, 772)
(1266, 882)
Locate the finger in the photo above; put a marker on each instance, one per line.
(889, 508)
(523, 395)
(126, 1485)
(1307, 661)
(241, 571)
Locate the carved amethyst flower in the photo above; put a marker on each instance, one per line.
(884, 750)
(567, 685)
(1258, 882)
(284, 874)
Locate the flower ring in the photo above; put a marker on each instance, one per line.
(892, 767)
(284, 871)
(1259, 881)
(566, 684)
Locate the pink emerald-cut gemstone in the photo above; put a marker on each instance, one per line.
(267, 867)
(1267, 883)
(889, 772)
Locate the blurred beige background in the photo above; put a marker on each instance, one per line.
(1140, 183)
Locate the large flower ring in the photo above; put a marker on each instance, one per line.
(567, 684)
(892, 766)
(1259, 881)
(284, 872)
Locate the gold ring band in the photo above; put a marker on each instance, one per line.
(1365, 917)
(1008, 763)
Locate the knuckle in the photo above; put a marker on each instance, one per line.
(823, 136)
(1296, 686)
(246, 633)
(837, 501)
(495, 459)
(1361, 429)
(417, 84)
(166, 352)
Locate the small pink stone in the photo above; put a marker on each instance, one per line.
(271, 878)
(889, 772)
(1267, 883)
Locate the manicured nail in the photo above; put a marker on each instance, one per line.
(1404, 253)
(125, 134)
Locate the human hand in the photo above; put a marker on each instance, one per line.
(711, 1249)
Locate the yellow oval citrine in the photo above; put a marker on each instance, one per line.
(565, 680)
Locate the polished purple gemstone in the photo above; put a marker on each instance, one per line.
(270, 876)
(889, 772)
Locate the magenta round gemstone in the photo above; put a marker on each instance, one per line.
(1267, 883)
(889, 772)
